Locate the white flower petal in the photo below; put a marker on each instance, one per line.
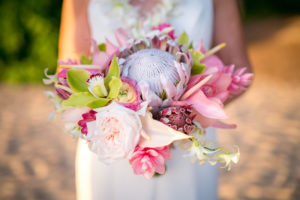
(160, 134)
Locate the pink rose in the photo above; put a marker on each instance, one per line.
(115, 132)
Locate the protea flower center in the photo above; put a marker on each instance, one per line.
(177, 117)
(149, 65)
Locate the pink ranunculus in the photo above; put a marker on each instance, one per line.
(129, 94)
(147, 161)
(163, 26)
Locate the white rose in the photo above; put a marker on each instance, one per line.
(115, 132)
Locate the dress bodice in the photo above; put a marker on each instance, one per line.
(195, 17)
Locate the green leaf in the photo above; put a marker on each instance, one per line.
(191, 46)
(197, 67)
(79, 100)
(114, 70)
(77, 79)
(114, 87)
(183, 38)
(98, 103)
(85, 61)
(196, 55)
(102, 47)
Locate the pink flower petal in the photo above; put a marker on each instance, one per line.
(212, 61)
(205, 106)
(73, 114)
(200, 47)
(165, 152)
(149, 174)
(204, 121)
(159, 164)
(223, 96)
(99, 58)
(110, 47)
(122, 37)
(222, 82)
(196, 87)
(168, 86)
(219, 124)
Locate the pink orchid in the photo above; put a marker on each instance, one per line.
(147, 161)
(86, 117)
(61, 92)
(68, 62)
(163, 26)
(62, 73)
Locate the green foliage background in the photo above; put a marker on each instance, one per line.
(29, 33)
(29, 38)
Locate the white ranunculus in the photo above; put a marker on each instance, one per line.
(115, 132)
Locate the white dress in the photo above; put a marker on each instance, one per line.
(183, 180)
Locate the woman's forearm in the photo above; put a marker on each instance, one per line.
(74, 29)
(228, 29)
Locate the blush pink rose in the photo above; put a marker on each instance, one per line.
(115, 132)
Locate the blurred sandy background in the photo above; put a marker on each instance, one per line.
(37, 157)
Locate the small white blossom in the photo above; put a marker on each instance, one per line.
(197, 152)
(96, 86)
(73, 129)
(50, 78)
(228, 158)
(56, 103)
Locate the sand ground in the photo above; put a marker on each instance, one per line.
(37, 158)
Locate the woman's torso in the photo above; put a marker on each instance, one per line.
(195, 17)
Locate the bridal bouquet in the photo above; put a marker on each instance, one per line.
(140, 98)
